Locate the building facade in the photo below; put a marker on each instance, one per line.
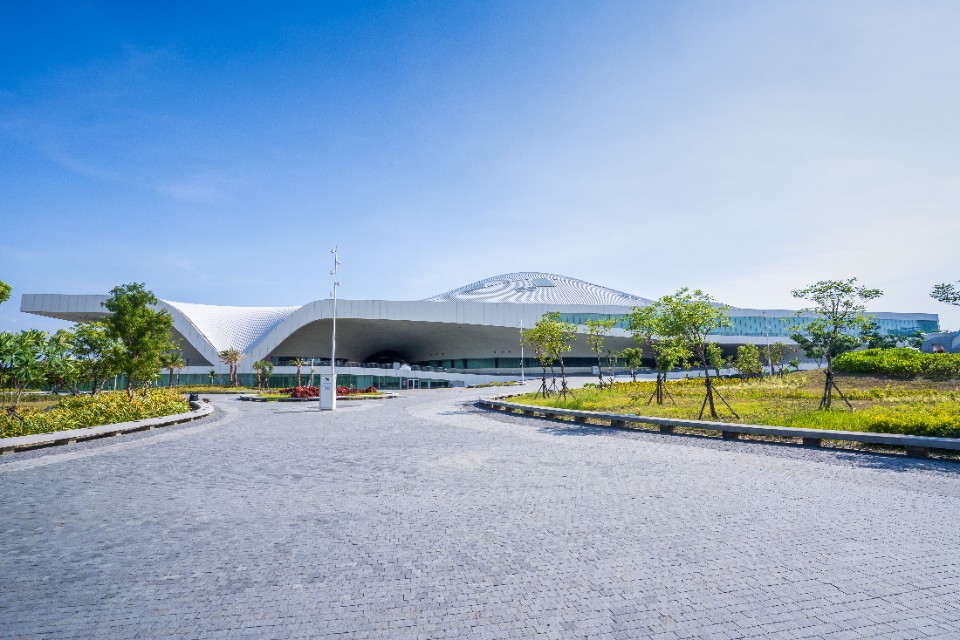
(468, 335)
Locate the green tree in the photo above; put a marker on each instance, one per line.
(633, 358)
(232, 357)
(776, 352)
(97, 352)
(143, 332)
(21, 361)
(61, 369)
(597, 331)
(839, 318)
(560, 337)
(264, 369)
(875, 338)
(715, 358)
(689, 318)
(946, 293)
(4, 291)
(550, 338)
(536, 339)
(747, 362)
(914, 340)
(299, 362)
(171, 361)
(645, 325)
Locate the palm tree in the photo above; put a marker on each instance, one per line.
(179, 367)
(263, 368)
(232, 357)
(171, 360)
(299, 362)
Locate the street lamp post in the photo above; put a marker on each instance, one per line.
(522, 378)
(766, 330)
(328, 384)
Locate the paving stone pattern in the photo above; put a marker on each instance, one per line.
(427, 518)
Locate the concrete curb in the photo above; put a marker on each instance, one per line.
(916, 446)
(37, 440)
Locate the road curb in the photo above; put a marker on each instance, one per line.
(914, 446)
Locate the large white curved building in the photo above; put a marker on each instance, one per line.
(464, 335)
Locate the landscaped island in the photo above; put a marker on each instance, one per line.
(886, 405)
(84, 410)
(304, 393)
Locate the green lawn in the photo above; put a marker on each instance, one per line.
(916, 407)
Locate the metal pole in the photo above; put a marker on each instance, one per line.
(333, 338)
(522, 378)
(766, 329)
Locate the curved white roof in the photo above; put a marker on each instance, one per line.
(232, 327)
(542, 288)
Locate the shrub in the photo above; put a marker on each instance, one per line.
(75, 412)
(301, 392)
(899, 362)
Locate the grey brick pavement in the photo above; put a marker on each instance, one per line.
(423, 518)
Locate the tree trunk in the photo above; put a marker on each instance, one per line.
(600, 369)
(827, 398)
(563, 381)
(713, 409)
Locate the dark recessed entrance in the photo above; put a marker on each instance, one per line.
(385, 357)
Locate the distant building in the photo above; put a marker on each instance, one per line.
(942, 342)
(462, 336)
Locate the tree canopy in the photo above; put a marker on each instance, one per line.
(838, 325)
(676, 326)
(946, 293)
(597, 331)
(4, 291)
(142, 332)
(98, 353)
(550, 338)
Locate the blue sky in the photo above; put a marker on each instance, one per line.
(218, 152)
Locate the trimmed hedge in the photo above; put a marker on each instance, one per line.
(900, 363)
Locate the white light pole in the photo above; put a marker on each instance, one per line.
(522, 378)
(766, 330)
(328, 384)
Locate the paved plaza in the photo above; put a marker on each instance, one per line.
(424, 517)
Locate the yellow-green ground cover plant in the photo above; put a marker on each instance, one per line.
(75, 412)
(884, 405)
(900, 363)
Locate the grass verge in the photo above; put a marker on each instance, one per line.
(912, 407)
